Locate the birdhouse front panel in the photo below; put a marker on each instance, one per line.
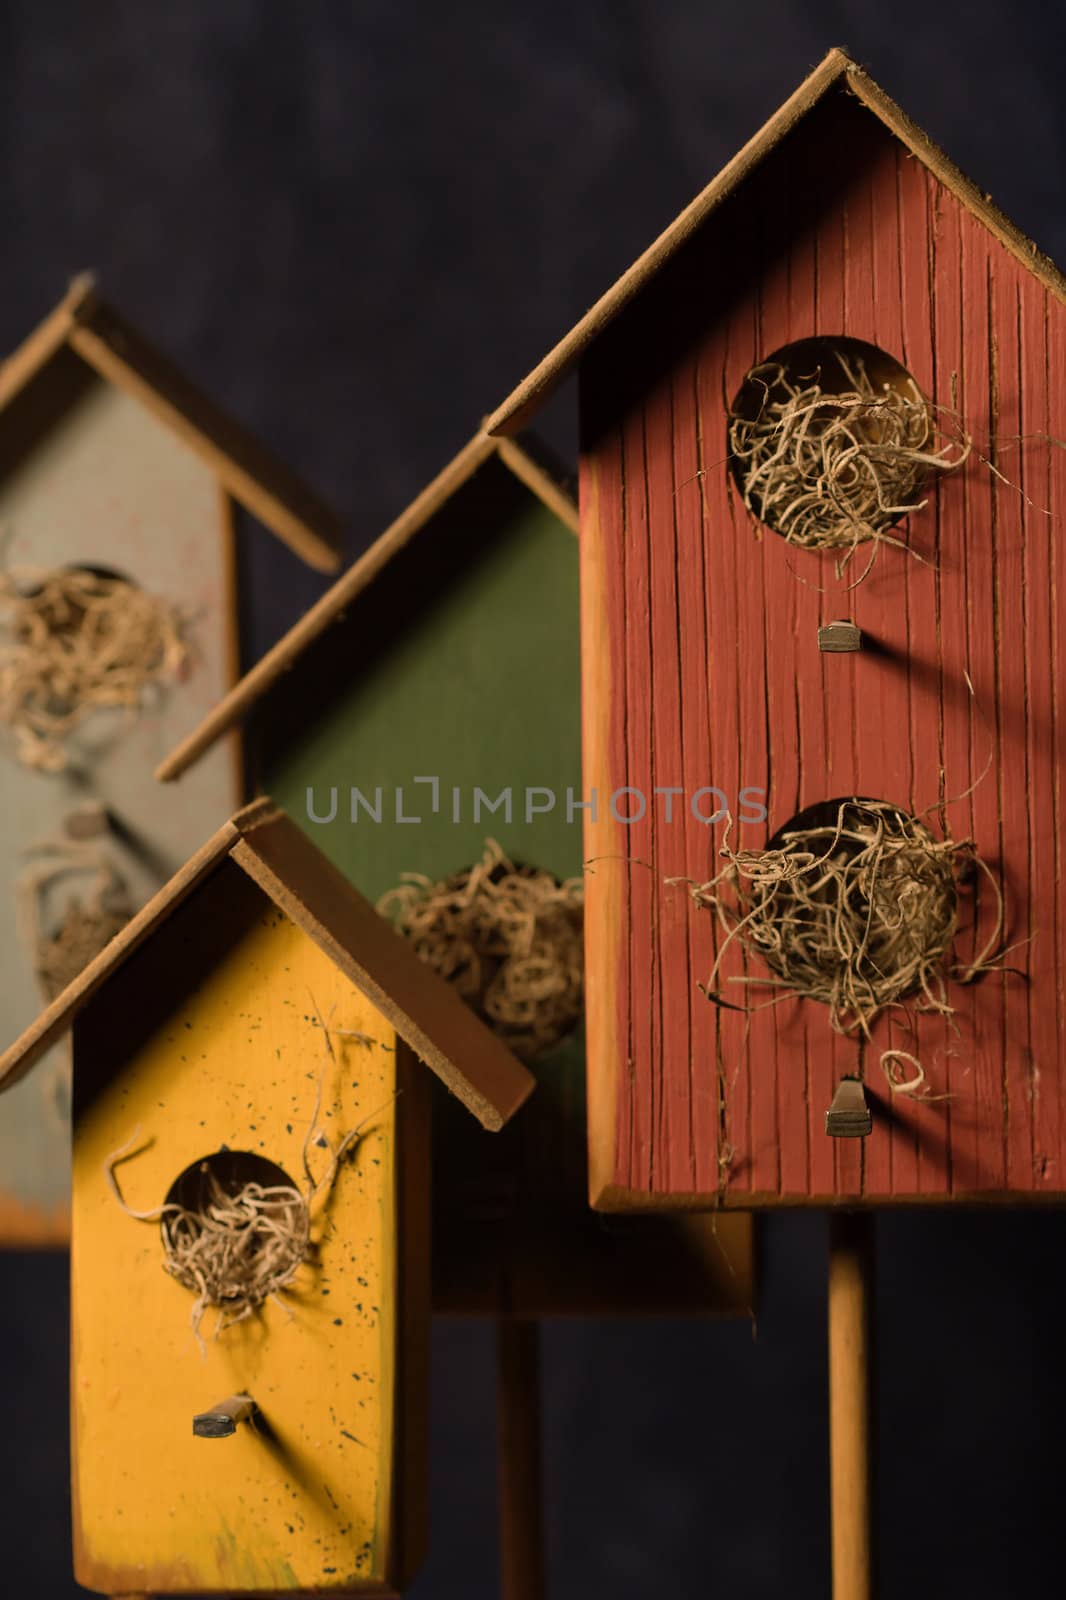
(267, 1060)
(708, 695)
(91, 480)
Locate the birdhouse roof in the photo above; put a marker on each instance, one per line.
(84, 324)
(292, 872)
(520, 459)
(837, 73)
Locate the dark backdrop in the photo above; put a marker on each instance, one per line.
(358, 224)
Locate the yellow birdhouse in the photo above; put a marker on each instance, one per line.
(249, 1236)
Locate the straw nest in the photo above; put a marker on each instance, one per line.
(508, 938)
(73, 642)
(236, 1243)
(235, 1240)
(859, 912)
(833, 464)
(236, 1248)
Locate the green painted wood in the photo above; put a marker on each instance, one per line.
(460, 663)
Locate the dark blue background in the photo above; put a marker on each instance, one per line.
(357, 225)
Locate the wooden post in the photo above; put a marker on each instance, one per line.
(518, 1433)
(850, 1409)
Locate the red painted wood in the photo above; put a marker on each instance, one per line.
(753, 1078)
(1012, 697)
(780, 1100)
(735, 708)
(727, 723)
(806, 1159)
(696, 841)
(1048, 917)
(839, 308)
(984, 1038)
(673, 1110)
(955, 740)
(881, 686)
(712, 621)
(644, 1020)
(920, 1147)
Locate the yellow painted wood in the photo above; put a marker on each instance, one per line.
(237, 1062)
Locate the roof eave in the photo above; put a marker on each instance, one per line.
(235, 706)
(837, 68)
(531, 393)
(272, 493)
(425, 1010)
(59, 1014)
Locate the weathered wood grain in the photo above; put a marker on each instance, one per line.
(951, 709)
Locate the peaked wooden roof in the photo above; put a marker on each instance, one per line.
(302, 883)
(83, 323)
(835, 71)
(517, 458)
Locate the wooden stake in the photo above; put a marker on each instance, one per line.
(518, 1432)
(850, 1412)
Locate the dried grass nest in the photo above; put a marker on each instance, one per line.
(831, 467)
(241, 1242)
(236, 1248)
(74, 641)
(508, 937)
(859, 912)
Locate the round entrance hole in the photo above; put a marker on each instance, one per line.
(238, 1233)
(831, 441)
(856, 907)
(80, 640)
(509, 938)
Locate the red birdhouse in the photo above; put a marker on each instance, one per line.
(772, 619)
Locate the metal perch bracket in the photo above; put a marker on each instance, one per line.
(221, 1420)
(836, 637)
(849, 1115)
